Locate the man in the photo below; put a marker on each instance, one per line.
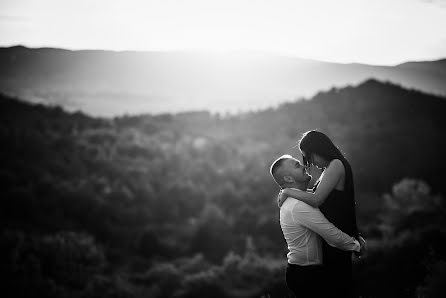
(303, 226)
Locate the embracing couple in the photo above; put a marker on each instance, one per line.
(319, 224)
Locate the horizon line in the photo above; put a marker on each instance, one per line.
(213, 51)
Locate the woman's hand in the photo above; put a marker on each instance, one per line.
(281, 197)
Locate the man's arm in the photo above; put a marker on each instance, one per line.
(313, 219)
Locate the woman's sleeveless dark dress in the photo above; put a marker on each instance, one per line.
(339, 209)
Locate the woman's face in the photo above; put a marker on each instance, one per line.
(315, 159)
(306, 159)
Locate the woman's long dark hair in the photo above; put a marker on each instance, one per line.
(316, 142)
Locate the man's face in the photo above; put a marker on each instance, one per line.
(292, 167)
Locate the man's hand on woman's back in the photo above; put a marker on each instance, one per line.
(363, 249)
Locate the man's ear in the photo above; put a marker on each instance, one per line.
(288, 179)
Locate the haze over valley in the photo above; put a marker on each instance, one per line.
(108, 83)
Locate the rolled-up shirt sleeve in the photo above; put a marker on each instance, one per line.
(313, 219)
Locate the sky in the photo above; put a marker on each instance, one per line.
(381, 32)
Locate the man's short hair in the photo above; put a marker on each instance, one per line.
(275, 166)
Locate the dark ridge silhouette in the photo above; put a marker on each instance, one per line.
(392, 123)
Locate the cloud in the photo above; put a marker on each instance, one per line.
(14, 19)
(441, 3)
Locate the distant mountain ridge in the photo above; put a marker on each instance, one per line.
(107, 83)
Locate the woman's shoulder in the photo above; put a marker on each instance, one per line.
(337, 165)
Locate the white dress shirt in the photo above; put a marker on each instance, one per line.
(303, 226)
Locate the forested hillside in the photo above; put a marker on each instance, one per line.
(182, 205)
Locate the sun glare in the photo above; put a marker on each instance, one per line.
(339, 31)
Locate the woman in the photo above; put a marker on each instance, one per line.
(333, 194)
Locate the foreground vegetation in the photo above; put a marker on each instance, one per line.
(183, 205)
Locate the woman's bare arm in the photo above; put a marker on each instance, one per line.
(331, 176)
